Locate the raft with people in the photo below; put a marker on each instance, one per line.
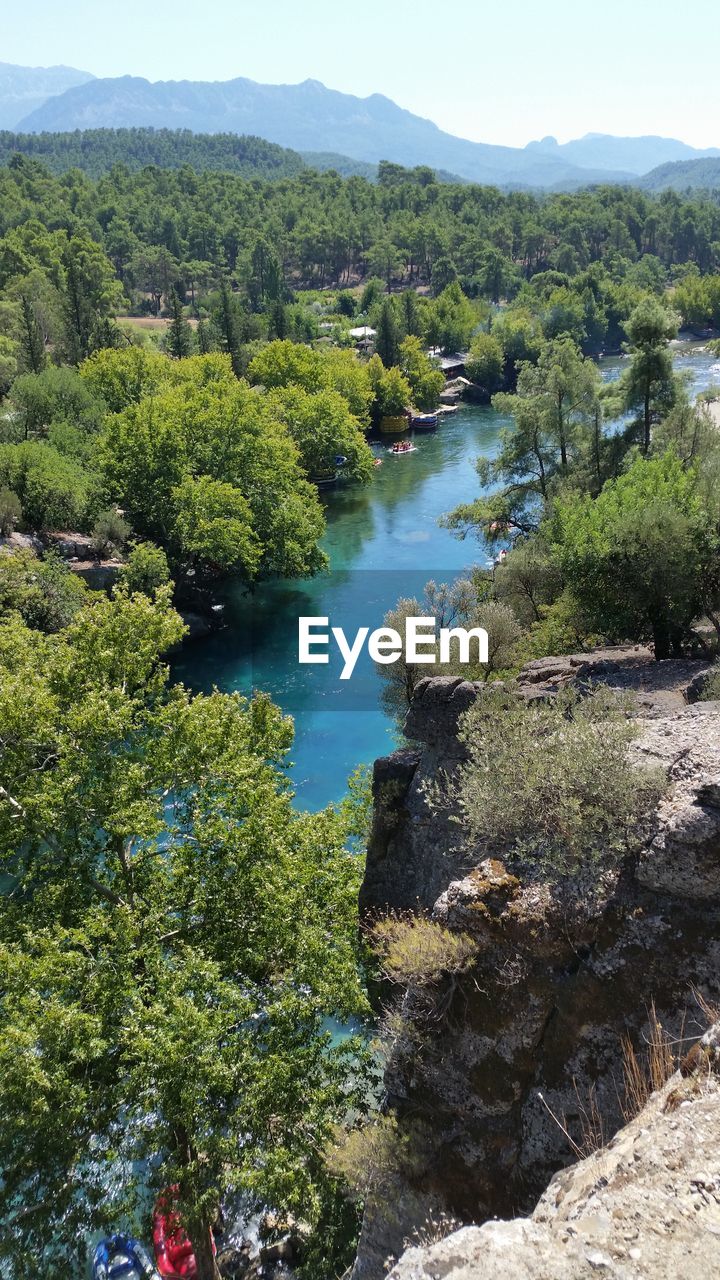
(401, 447)
(122, 1256)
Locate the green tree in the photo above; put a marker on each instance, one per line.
(213, 525)
(281, 364)
(649, 383)
(451, 320)
(391, 390)
(55, 492)
(324, 429)
(426, 380)
(633, 556)
(146, 569)
(175, 939)
(57, 394)
(45, 593)
(387, 338)
(486, 362)
(179, 339)
(10, 511)
(217, 431)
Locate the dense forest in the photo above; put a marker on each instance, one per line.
(95, 151)
(178, 374)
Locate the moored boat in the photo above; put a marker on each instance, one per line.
(424, 421)
(124, 1256)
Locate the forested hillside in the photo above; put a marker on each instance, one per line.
(95, 151)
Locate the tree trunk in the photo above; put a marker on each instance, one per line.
(661, 637)
(646, 439)
(206, 1264)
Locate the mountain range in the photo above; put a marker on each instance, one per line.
(310, 118)
(24, 89)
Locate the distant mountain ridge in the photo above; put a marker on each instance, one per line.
(327, 128)
(635, 155)
(24, 89)
(304, 117)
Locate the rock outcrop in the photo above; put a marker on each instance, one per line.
(562, 975)
(645, 1207)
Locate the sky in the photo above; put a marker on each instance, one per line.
(502, 72)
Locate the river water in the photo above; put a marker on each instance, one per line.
(383, 541)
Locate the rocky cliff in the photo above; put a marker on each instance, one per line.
(533, 1033)
(645, 1207)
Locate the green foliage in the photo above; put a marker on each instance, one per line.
(323, 429)
(417, 951)
(55, 395)
(213, 523)
(110, 532)
(10, 511)
(632, 558)
(425, 379)
(125, 377)
(390, 388)
(45, 593)
(96, 151)
(548, 783)
(209, 447)
(55, 492)
(283, 364)
(486, 362)
(649, 384)
(146, 569)
(387, 339)
(554, 428)
(176, 937)
(451, 320)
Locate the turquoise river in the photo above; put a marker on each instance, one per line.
(383, 541)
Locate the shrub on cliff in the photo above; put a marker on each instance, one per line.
(549, 781)
(418, 951)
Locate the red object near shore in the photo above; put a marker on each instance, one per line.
(174, 1251)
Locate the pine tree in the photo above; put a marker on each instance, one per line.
(228, 323)
(179, 333)
(32, 338)
(387, 339)
(202, 333)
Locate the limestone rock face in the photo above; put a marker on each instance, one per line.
(646, 1207)
(562, 974)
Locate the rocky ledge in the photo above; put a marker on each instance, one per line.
(645, 1207)
(563, 976)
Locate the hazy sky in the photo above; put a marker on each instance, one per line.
(502, 71)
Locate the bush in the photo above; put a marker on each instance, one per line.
(549, 782)
(110, 533)
(418, 951)
(146, 569)
(46, 593)
(711, 687)
(10, 511)
(374, 1156)
(54, 490)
